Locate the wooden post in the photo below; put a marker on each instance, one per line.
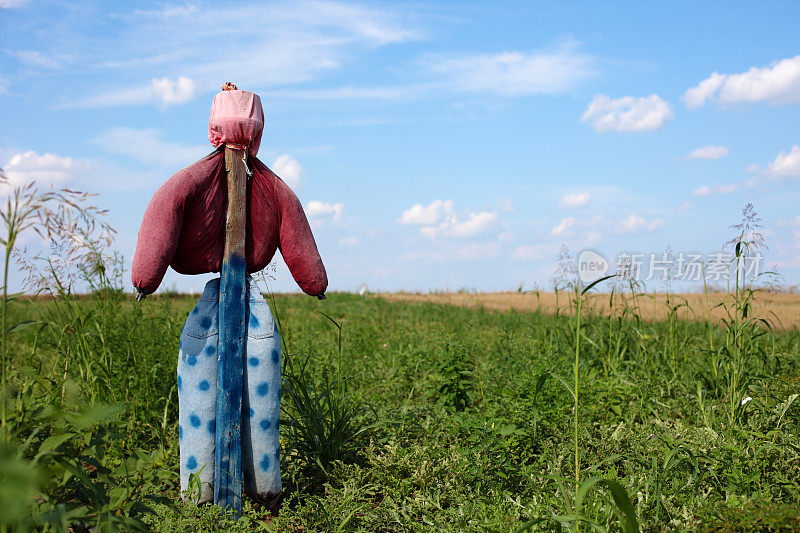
(228, 453)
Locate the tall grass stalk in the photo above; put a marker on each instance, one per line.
(23, 206)
(576, 372)
(338, 352)
(708, 307)
(325, 424)
(578, 301)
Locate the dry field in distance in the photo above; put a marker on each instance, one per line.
(785, 306)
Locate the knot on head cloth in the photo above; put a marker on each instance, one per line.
(236, 119)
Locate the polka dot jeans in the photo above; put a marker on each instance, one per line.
(261, 396)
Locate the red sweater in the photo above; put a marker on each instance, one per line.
(184, 227)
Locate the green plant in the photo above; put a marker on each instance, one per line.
(51, 214)
(60, 454)
(744, 331)
(324, 422)
(662, 470)
(621, 508)
(455, 378)
(578, 302)
(575, 507)
(323, 425)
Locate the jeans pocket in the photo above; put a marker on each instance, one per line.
(203, 321)
(260, 324)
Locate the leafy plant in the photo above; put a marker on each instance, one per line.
(575, 507)
(60, 455)
(323, 425)
(455, 378)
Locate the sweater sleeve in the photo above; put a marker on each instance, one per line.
(296, 242)
(158, 237)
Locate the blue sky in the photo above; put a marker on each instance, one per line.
(433, 145)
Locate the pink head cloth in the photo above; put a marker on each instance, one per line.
(236, 119)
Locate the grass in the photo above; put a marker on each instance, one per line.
(786, 305)
(405, 416)
(469, 430)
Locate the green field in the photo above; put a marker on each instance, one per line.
(445, 418)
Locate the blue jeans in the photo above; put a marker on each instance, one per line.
(261, 396)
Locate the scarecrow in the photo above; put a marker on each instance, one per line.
(228, 213)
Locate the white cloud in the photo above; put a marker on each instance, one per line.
(527, 253)
(440, 220)
(325, 212)
(374, 26)
(38, 59)
(708, 152)
(169, 92)
(634, 223)
(349, 92)
(696, 96)
(786, 164)
(790, 222)
(142, 94)
(462, 227)
(572, 200)
(588, 231)
(562, 226)
(348, 242)
(505, 204)
(454, 251)
(628, 113)
(289, 170)
(163, 92)
(257, 46)
(717, 188)
(12, 3)
(420, 215)
(149, 146)
(95, 174)
(778, 83)
(593, 238)
(505, 235)
(45, 169)
(685, 206)
(515, 73)
(467, 251)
